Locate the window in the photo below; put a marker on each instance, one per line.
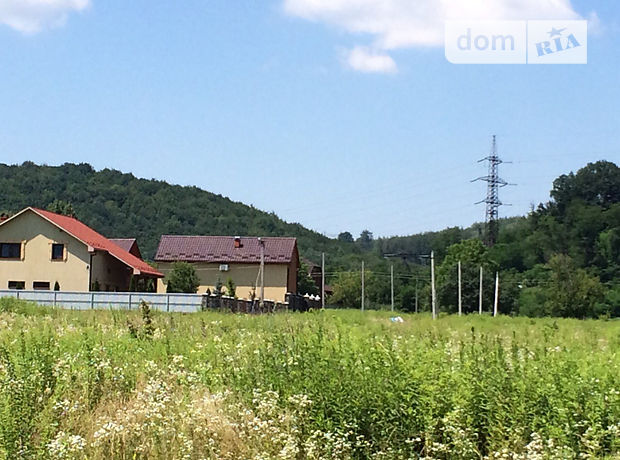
(19, 285)
(41, 285)
(58, 251)
(10, 250)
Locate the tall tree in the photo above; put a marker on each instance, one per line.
(345, 237)
(366, 240)
(572, 291)
(594, 184)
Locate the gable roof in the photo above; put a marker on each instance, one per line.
(128, 244)
(124, 243)
(91, 238)
(221, 249)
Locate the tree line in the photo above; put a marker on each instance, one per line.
(562, 259)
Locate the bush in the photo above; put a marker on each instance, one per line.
(610, 306)
(532, 302)
(407, 298)
(183, 279)
(572, 293)
(231, 289)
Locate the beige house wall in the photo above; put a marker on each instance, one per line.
(277, 278)
(36, 236)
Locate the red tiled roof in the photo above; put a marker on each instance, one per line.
(93, 239)
(221, 249)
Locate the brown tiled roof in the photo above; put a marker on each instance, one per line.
(128, 244)
(221, 249)
(125, 243)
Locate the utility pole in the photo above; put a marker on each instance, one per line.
(323, 280)
(392, 284)
(261, 243)
(492, 200)
(363, 294)
(480, 294)
(460, 292)
(433, 293)
(404, 256)
(416, 293)
(496, 302)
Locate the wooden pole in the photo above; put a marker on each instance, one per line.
(460, 292)
(363, 293)
(433, 293)
(480, 294)
(323, 280)
(392, 284)
(496, 302)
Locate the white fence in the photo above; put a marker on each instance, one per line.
(185, 303)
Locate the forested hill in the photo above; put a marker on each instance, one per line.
(563, 259)
(575, 237)
(120, 205)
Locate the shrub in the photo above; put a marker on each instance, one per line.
(183, 279)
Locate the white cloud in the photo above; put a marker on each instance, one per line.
(367, 60)
(394, 24)
(595, 27)
(31, 16)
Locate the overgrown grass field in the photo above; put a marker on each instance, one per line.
(329, 384)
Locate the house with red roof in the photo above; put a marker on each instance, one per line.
(220, 258)
(41, 250)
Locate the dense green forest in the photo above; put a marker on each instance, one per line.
(120, 205)
(562, 259)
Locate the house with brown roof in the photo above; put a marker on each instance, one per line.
(128, 244)
(42, 250)
(219, 258)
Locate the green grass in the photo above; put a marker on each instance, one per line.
(331, 384)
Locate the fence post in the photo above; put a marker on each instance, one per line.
(168, 302)
(55, 298)
(92, 301)
(129, 301)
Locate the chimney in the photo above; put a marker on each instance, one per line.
(237, 242)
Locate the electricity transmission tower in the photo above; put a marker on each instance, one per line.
(492, 200)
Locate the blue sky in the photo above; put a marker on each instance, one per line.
(330, 113)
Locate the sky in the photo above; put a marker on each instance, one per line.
(342, 115)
